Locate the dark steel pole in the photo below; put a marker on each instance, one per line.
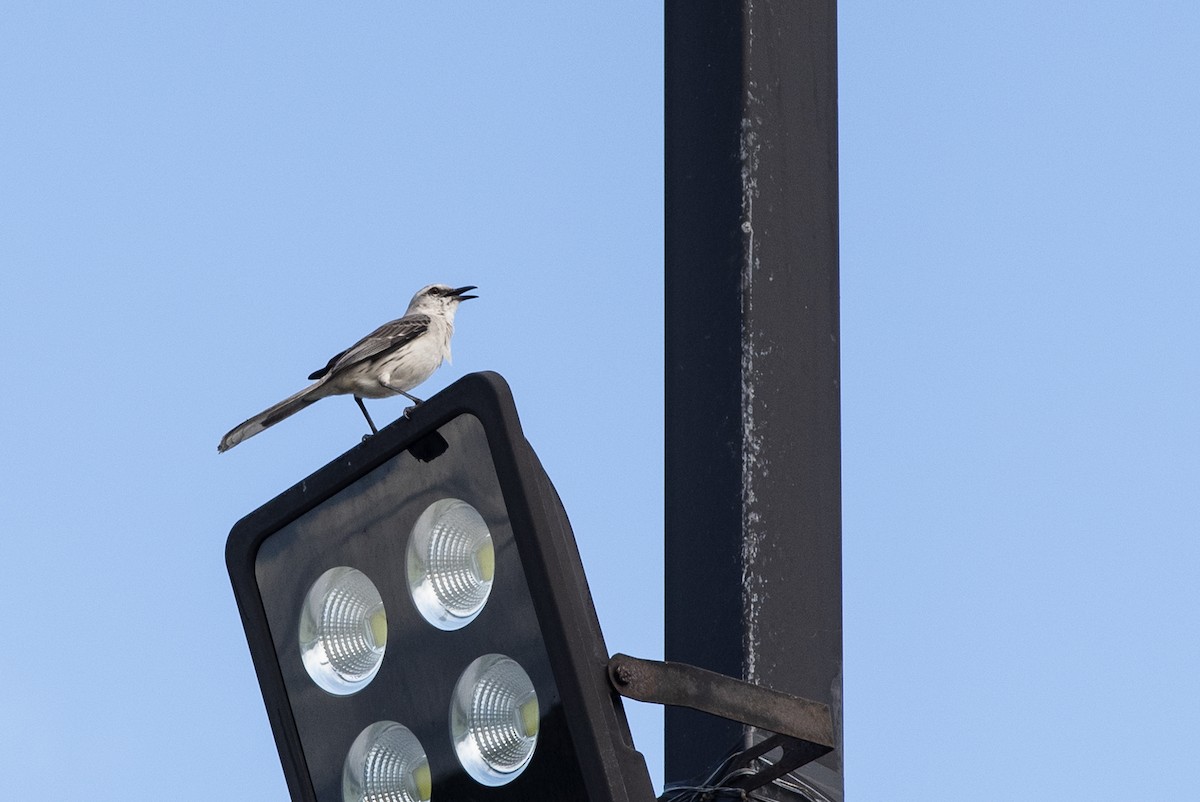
(753, 452)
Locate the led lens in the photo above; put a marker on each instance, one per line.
(494, 719)
(343, 631)
(451, 563)
(386, 763)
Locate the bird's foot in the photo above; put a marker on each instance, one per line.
(408, 411)
(367, 437)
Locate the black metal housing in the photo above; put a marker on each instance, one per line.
(752, 445)
(546, 620)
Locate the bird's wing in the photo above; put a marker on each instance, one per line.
(387, 337)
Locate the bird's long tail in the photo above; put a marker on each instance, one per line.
(269, 417)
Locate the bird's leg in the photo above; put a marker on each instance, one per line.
(366, 415)
(409, 396)
(414, 399)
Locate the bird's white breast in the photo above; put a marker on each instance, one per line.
(404, 368)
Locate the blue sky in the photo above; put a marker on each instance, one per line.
(201, 203)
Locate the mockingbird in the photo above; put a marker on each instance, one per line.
(391, 360)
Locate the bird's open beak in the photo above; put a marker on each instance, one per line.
(459, 293)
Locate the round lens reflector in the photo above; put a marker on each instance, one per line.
(386, 763)
(494, 719)
(451, 563)
(343, 631)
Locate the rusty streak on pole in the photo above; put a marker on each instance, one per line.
(753, 449)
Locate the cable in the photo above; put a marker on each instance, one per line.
(715, 785)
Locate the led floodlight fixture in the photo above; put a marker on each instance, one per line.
(421, 626)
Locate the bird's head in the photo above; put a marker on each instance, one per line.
(439, 299)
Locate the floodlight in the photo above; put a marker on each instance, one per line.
(421, 626)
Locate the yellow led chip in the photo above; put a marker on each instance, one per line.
(378, 623)
(485, 559)
(424, 781)
(529, 716)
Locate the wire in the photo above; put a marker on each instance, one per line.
(794, 783)
(688, 793)
(710, 786)
(715, 785)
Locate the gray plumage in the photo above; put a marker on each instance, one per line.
(391, 360)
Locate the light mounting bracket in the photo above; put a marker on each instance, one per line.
(802, 728)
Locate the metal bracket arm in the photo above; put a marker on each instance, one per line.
(804, 728)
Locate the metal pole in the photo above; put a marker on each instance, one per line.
(753, 453)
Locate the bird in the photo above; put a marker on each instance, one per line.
(393, 359)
